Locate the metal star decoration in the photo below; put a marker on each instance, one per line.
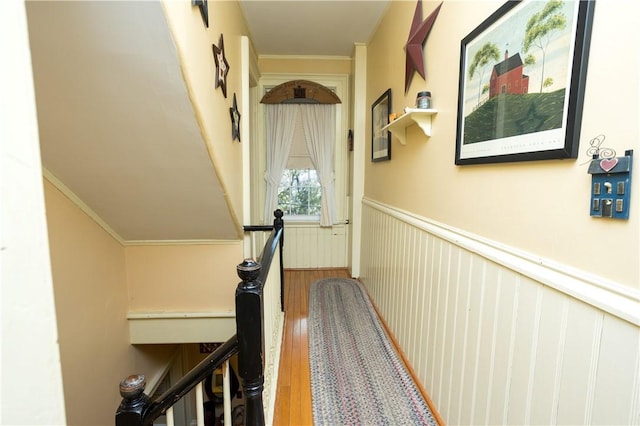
(204, 10)
(235, 120)
(417, 37)
(222, 66)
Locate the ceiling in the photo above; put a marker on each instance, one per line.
(324, 27)
(116, 125)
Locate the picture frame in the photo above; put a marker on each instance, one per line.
(381, 138)
(521, 92)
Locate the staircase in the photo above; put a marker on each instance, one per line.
(258, 309)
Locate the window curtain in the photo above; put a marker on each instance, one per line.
(318, 122)
(280, 124)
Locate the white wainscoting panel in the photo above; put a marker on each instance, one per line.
(273, 329)
(310, 246)
(490, 342)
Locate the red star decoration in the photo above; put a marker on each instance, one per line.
(417, 37)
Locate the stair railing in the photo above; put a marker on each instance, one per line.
(138, 409)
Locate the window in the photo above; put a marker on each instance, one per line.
(300, 193)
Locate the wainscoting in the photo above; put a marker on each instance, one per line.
(310, 246)
(497, 337)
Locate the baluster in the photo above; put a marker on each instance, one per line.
(226, 392)
(278, 223)
(199, 405)
(169, 416)
(249, 317)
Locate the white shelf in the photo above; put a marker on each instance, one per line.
(419, 116)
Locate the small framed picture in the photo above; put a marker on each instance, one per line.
(381, 139)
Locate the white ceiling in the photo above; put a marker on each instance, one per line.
(116, 124)
(321, 27)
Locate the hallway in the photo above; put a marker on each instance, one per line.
(293, 394)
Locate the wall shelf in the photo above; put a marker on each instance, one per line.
(421, 117)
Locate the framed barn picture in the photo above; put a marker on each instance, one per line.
(521, 83)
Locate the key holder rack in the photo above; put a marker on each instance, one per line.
(611, 186)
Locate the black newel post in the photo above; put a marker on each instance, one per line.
(134, 401)
(278, 223)
(249, 314)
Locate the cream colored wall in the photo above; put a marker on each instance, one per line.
(190, 278)
(304, 65)
(89, 276)
(31, 388)
(194, 44)
(540, 207)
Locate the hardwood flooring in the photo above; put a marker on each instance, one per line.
(293, 393)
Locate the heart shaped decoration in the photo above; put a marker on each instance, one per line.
(608, 163)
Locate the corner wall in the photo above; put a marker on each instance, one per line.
(494, 342)
(89, 276)
(31, 388)
(541, 207)
(194, 45)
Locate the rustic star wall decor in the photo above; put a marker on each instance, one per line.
(222, 66)
(417, 37)
(204, 10)
(235, 120)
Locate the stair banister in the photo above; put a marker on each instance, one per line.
(249, 323)
(137, 409)
(276, 239)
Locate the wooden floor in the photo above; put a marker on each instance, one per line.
(293, 394)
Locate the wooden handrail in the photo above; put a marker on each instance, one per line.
(276, 238)
(255, 228)
(200, 372)
(137, 409)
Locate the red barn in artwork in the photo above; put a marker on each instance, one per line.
(507, 77)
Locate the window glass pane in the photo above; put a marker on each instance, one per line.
(300, 192)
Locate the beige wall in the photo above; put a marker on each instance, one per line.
(89, 276)
(192, 278)
(193, 41)
(304, 65)
(97, 282)
(31, 389)
(540, 207)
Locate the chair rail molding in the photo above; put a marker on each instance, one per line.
(609, 296)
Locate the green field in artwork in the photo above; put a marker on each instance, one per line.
(508, 115)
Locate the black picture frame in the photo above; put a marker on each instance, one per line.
(520, 99)
(381, 138)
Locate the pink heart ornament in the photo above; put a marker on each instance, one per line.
(608, 163)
